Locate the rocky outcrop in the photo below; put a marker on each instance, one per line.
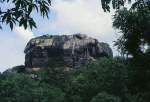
(70, 51)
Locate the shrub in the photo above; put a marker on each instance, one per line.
(104, 97)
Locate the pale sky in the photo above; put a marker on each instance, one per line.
(66, 17)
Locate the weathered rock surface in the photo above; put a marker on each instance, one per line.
(67, 50)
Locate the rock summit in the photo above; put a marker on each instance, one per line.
(68, 50)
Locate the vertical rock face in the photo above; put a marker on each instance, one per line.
(67, 50)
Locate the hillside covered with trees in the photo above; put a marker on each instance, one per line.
(105, 80)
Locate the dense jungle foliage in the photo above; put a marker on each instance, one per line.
(104, 80)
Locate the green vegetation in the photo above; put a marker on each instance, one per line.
(21, 12)
(134, 25)
(104, 97)
(21, 88)
(104, 80)
(135, 43)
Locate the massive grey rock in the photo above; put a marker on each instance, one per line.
(70, 51)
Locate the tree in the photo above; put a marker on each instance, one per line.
(104, 75)
(134, 25)
(104, 97)
(135, 41)
(20, 13)
(21, 88)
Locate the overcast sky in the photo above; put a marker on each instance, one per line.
(66, 17)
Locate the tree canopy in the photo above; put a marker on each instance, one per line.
(104, 80)
(20, 13)
(134, 25)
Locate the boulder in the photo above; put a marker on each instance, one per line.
(71, 51)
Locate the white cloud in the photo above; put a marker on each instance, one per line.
(11, 50)
(24, 34)
(82, 16)
(85, 16)
(12, 47)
